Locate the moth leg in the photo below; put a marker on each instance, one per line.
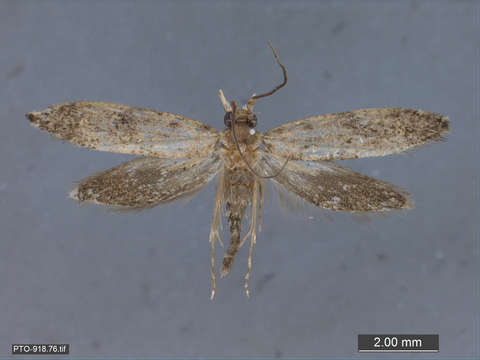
(253, 234)
(214, 229)
(248, 233)
(251, 229)
(260, 198)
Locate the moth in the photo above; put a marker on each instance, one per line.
(180, 156)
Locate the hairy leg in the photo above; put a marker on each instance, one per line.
(253, 235)
(260, 198)
(214, 228)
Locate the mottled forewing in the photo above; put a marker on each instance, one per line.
(147, 182)
(328, 185)
(355, 134)
(126, 129)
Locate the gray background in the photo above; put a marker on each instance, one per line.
(137, 284)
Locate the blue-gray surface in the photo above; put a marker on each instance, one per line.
(137, 284)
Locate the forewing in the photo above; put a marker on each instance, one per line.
(328, 185)
(355, 134)
(146, 182)
(126, 129)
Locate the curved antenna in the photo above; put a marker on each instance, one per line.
(234, 109)
(255, 97)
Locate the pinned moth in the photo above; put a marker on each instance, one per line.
(180, 156)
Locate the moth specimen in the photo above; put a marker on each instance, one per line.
(180, 156)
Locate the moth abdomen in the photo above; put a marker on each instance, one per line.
(235, 224)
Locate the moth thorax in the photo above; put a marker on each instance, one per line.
(241, 117)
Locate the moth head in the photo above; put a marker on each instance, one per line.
(243, 116)
(242, 121)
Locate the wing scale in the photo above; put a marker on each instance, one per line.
(330, 186)
(355, 134)
(126, 129)
(146, 182)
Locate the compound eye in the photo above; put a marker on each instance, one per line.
(253, 123)
(227, 119)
